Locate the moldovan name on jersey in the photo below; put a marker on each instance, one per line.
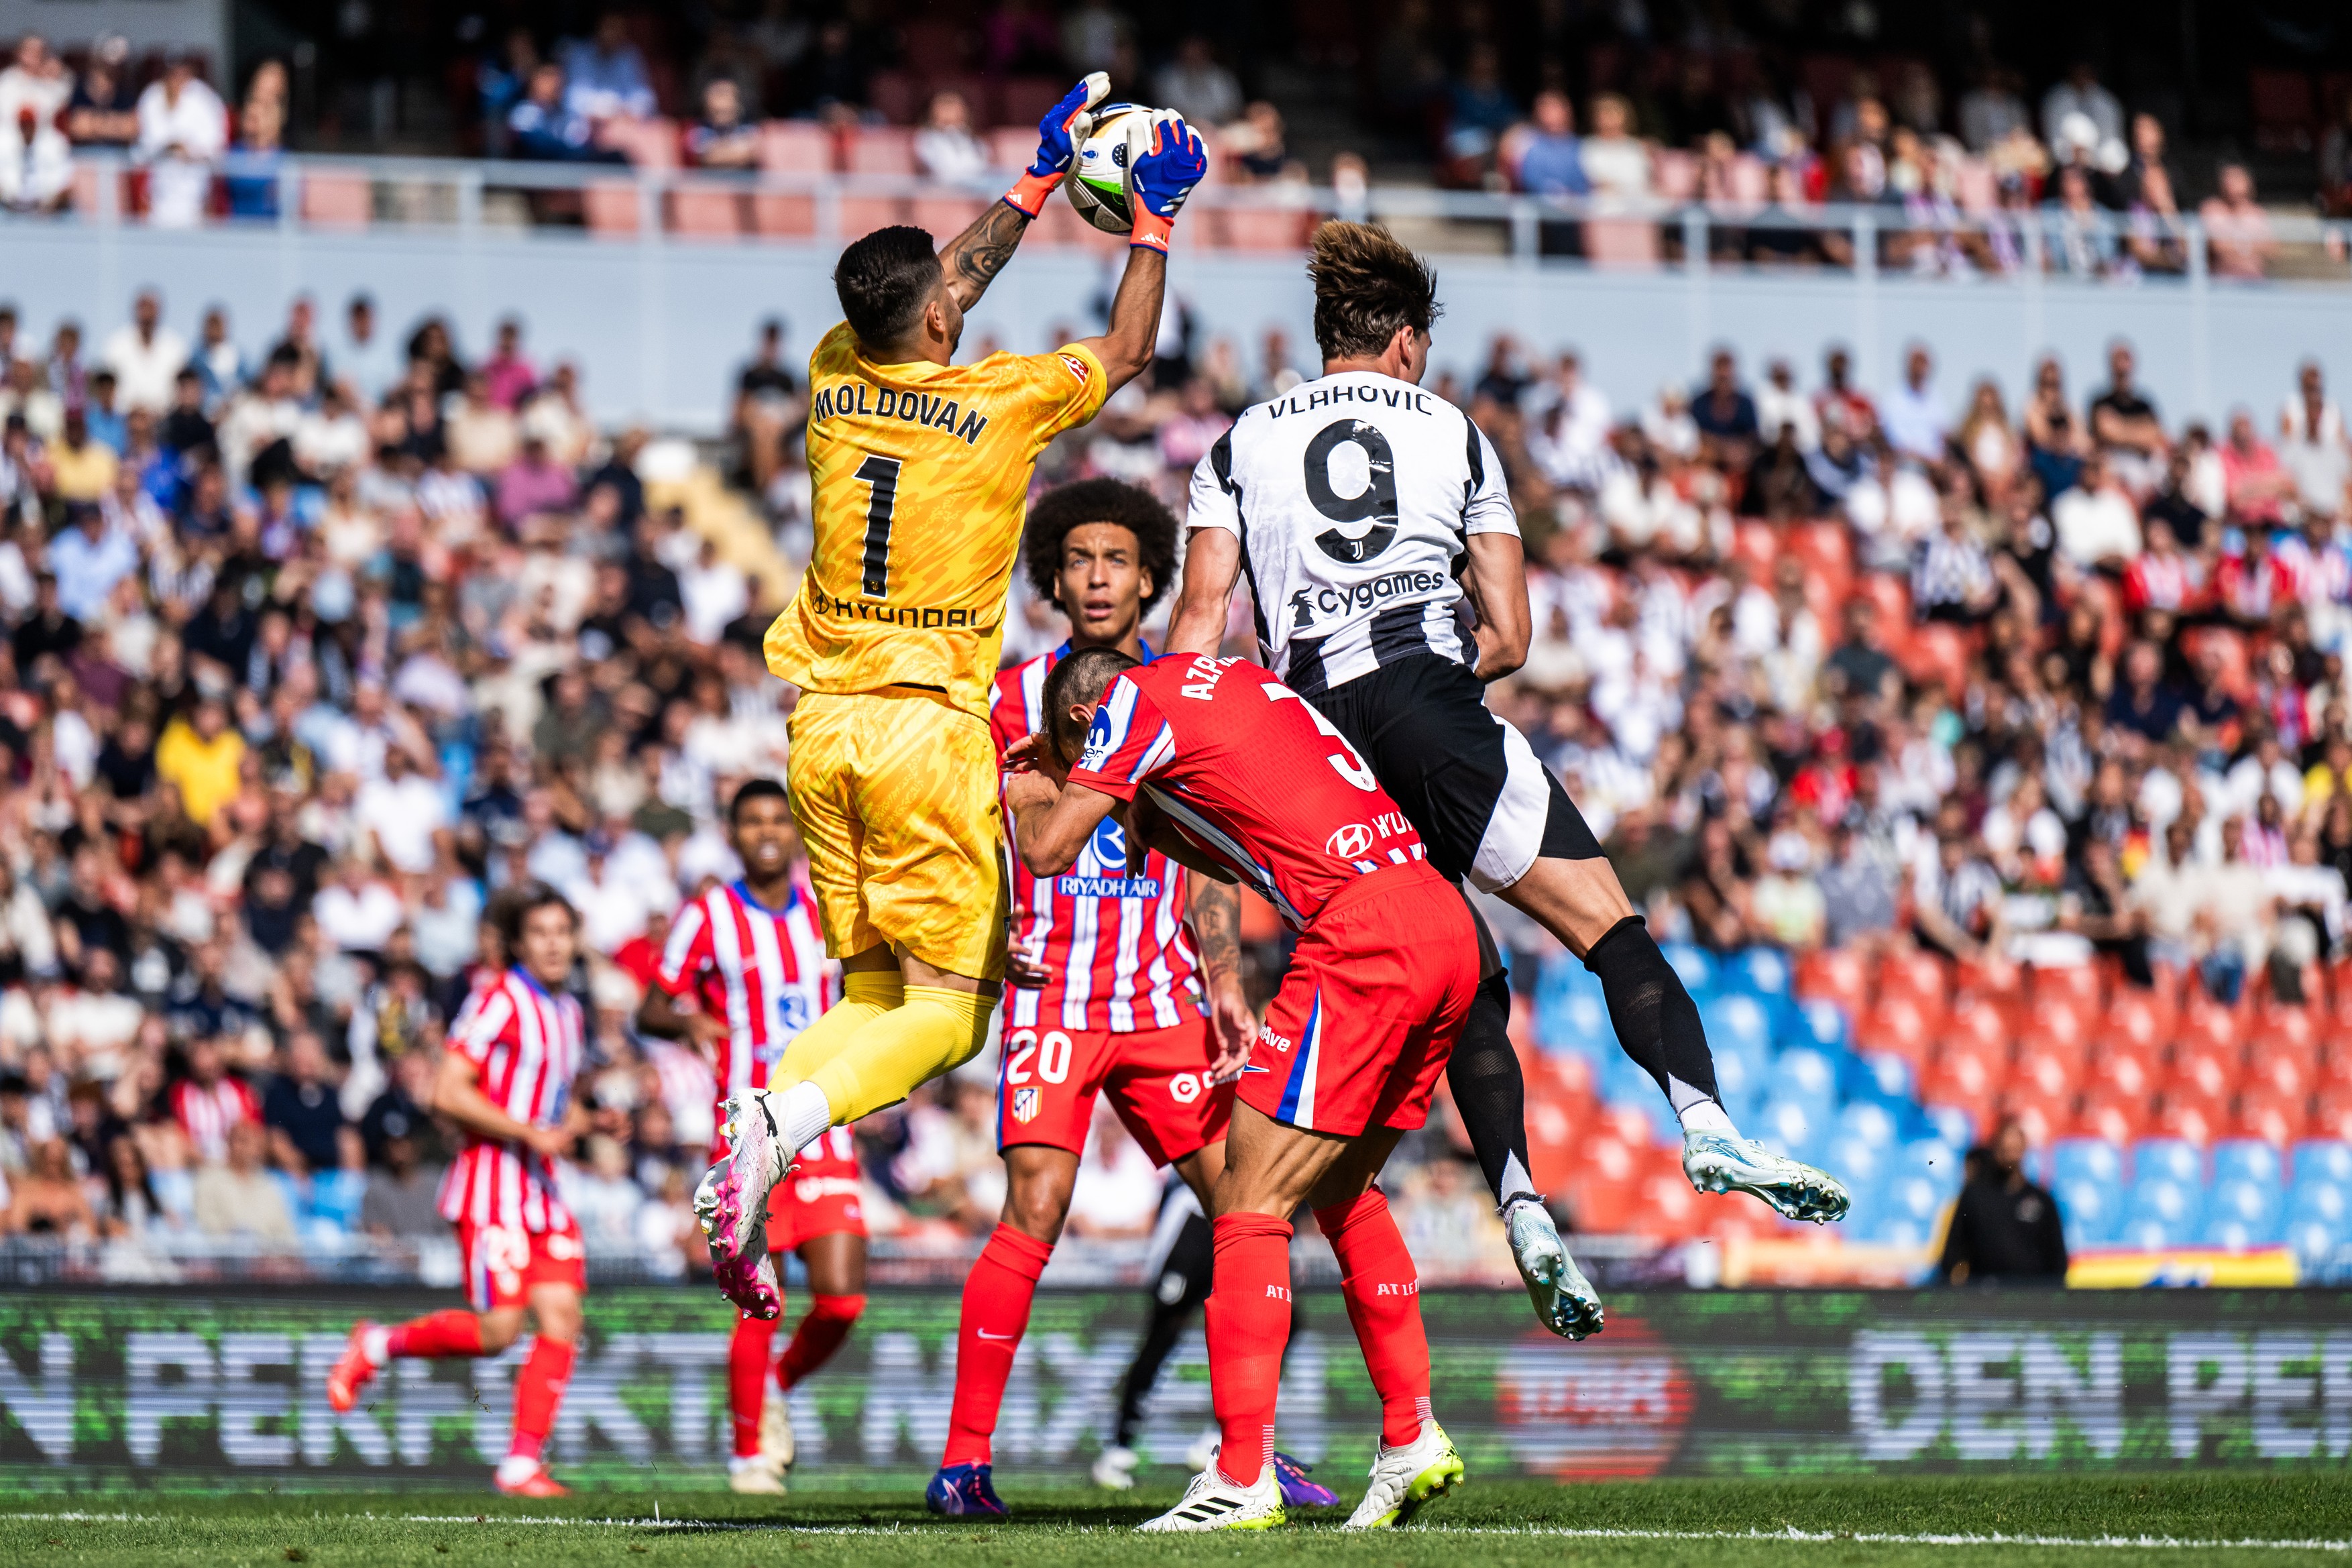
(848, 399)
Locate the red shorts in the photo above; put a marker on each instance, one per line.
(504, 1261)
(1368, 1015)
(1157, 1079)
(818, 1198)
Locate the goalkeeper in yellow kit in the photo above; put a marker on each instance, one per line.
(921, 470)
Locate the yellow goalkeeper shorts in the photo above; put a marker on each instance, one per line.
(895, 793)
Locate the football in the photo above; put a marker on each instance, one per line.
(1099, 184)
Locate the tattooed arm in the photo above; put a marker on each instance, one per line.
(1215, 917)
(974, 257)
(1126, 349)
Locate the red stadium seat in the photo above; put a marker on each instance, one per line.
(336, 199)
(2205, 1026)
(861, 215)
(1758, 545)
(879, 150)
(2136, 1017)
(1937, 654)
(1601, 1193)
(2076, 985)
(2208, 1073)
(2116, 1117)
(610, 207)
(1962, 1076)
(1899, 1027)
(1259, 227)
(1909, 972)
(778, 213)
(2192, 1119)
(2044, 1118)
(2331, 1117)
(1833, 974)
(1666, 1206)
(2278, 1072)
(946, 216)
(1981, 1028)
(705, 212)
(2046, 1073)
(2130, 1072)
(1991, 976)
(2271, 1117)
(796, 147)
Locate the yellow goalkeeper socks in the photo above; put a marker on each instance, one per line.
(867, 996)
(933, 1031)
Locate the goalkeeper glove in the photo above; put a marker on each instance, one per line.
(1163, 176)
(1058, 135)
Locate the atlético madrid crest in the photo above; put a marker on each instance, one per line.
(1025, 1104)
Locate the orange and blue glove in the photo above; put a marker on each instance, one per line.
(1058, 134)
(1163, 176)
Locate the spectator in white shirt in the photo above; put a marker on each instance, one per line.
(182, 130)
(945, 148)
(1913, 416)
(357, 911)
(36, 159)
(402, 809)
(146, 357)
(1891, 512)
(2080, 93)
(2095, 521)
(1778, 403)
(1569, 439)
(1196, 86)
(713, 593)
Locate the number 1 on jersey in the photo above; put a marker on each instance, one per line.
(882, 473)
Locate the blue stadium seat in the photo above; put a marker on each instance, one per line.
(1736, 1023)
(2321, 1202)
(1856, 1162)
(2316, 1242)
(1788, 1127)
(1739, 1083)
(1697, 969)
(1824, 1025)
(335, 1196)
(2242, 1213)
(1902, 1230)
(2162, 1212)
(2248, 1160)
(1953, 1124)
(1915, 1198)
(2322, 1159)
(1806, 1077)
(2093, 1211)
(2174, 1159)
(1875, 1075)
(1578, 1025)
(1867, 1122)
(1759, 970)
(2075, 1159)
(1932, 1160)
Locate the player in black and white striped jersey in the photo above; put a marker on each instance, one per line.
(1374, 524)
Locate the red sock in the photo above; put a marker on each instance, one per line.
(1249, 1324)
(1383, 1294)
(748, 1355)
(829, 1320)
(451, 1334)
(539, 1389)
(996, 1296)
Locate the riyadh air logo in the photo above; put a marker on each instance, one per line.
(1025, 1104)
(1098, 745)
(1109, 846)
(1352, 841)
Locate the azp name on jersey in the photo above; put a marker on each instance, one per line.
(846, 399)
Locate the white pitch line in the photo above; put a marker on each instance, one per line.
(1791, 1535)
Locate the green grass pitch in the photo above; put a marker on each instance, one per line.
(1955, 1521)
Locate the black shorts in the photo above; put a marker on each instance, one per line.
(1464, 779)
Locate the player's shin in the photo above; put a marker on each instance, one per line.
(539, 1391)
(865, 996)
(819, 1334)
(749, 1354)
(1658, 1024)
(934, 1031)
(1248, 1324)
(1382, 1290)
(997, 1294)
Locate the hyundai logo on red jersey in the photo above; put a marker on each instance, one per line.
(1352, 841)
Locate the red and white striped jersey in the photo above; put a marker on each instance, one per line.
(830, 1160)
(1110, 930)
(528, 1046)
(760, 971)
(206, 1113)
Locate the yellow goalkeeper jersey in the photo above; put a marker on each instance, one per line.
(920, 474)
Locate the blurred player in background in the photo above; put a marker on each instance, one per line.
(506, 1081)
(1107, 981)
(743, 972)
(1228, 772)
(1374, 521)
(920, 470)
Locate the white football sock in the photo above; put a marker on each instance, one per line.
(1707, 1116)
(517, 1468)
(802, 1114)
(376, 1345)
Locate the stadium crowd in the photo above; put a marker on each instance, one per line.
(311, 648)
(1968, 174)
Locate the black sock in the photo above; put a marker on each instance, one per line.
(1182, 1284)
(1657, 1021)
(1490, 1092)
